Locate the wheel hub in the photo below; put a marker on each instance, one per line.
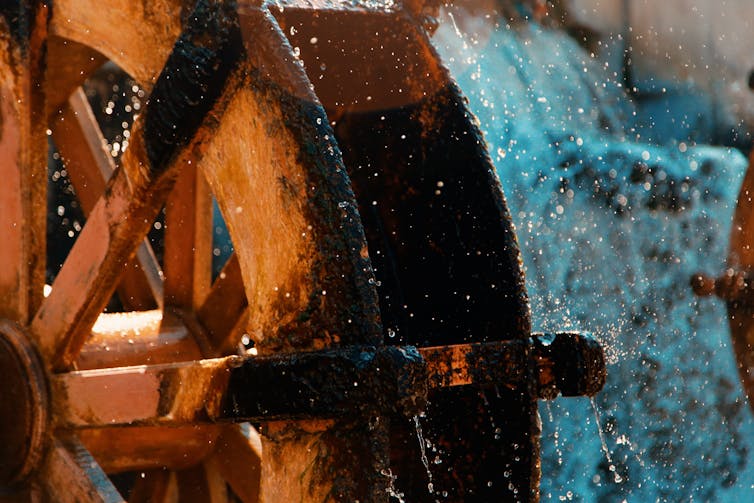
(23, 405)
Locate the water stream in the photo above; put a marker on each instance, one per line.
(611, 227)
(423, 450)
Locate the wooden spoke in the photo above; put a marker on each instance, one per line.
(238, 457)
(169, 394)
(155, 486)
(82, 146)
(202, 484)
(188, 240)
(23, 156)
(223, 308)
(88, 277)
(120, 449)
(72, 64)
(137, 338)
(71, 475)
(138, 37)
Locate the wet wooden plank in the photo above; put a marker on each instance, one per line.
(148, 448)
(155, 486)
(238, 457)
(188, 241)
(137, 36)
(201, 484)
(82, 147)
(223, 308)
(71, 475)
(23, 159)
(137, 338)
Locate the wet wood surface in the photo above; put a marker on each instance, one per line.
(72, 476)
(23, 161)
(741, 260)
(440, 239)
(188, 240)
(89, 166)
(137, 36)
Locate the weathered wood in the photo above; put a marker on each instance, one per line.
(71, 475)
(170, 394)
(310, 385)
(439, 233)
(138, 36)
(155, 486)
(741, 260)
(82, 147)
(188, 240)
(224, 308)
(321, 384)
(568, 364)
(23, 156)
(238, 457)
(284, 194)
(148, 447)
(173, 128)
(201, 484)
(137, 338)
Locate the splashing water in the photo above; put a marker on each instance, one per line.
(618, 479)
(556, 433)
(391, 489)
(424, 458)
(611, 227)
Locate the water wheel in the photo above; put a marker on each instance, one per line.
(375, 270)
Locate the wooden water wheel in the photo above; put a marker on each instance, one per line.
(375, 270)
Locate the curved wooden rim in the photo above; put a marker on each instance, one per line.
(741, 259)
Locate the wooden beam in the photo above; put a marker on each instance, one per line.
(82, 147)
(137, 338)
(188, 241)
(137, 36)
(223, 308)
(238, 457)
(147, 448)
(23, 159)
(169, 394)
(71, 475)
